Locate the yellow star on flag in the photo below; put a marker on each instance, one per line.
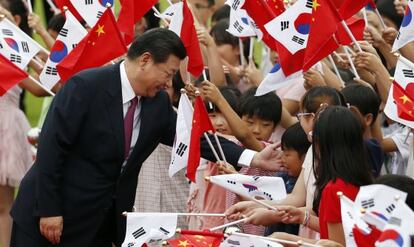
(100, 30)
(405, 99)
(183, 243)
(315, 4)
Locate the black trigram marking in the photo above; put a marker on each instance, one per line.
(7, 32)
(231, 182)
(74, 45)
(390, 208)
(284, 25)
(408, 73)
(99, 14)
(164, 231)
(138, 233)
(238, 27)
(169, 14)
(368, 203)
(256, 178)
(181, 149)
(298, 40)
(233, 242)
(398, 35)
(130, 244)
(15, 58)
(350, 215)
(1, 45)
(64, 32)
(268, 195)
(394, 221)
(254, 24)
(51, 71)
(25, 47)
(235, 4)
(88, 2)
(309, 4)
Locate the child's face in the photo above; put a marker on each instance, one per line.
(261, 129)
(306, 121)
(292, 161)
(219, 123)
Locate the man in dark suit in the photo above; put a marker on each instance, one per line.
(101, 126)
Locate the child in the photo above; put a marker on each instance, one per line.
(294, 146)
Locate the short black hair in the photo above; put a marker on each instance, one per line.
(362, 97)
(221, 36)
(160, 43)
(267, 107)
(56, 22)
(221, 13)
(295, 138)
(316, 96)
(231, 95)
(402, 183)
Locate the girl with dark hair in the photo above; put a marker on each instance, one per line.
(340, 164)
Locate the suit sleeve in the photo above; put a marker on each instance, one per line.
(59, 132)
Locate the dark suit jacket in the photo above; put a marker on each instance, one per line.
(77, 173)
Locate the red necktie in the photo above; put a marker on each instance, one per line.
(129, 125)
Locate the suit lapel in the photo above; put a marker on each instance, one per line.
(115, 108)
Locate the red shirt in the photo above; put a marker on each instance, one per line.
(330, 206)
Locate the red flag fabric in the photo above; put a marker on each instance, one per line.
(102, 44)
(366, 240)
(201, 124)
(404, 101)
(62, 3)
(356, 25)
(321, 41)
(189, 37)
(349, 8)
(10, 75)
(262, 12)
(131, 12)
(197, 239)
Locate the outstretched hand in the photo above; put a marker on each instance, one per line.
(269, 158)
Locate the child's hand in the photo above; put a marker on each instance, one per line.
(293, 215)
(226, 169)
(253, 74)
(367, 61)
(264, 216)
(373, 36)
(389, 35)
(313, 78)
(210, 92)
(241, 208)
(204, 37)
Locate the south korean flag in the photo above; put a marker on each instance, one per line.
(69, 36)
(91, 10)
(291, 28)
(15, 45)
(148, 228)
(406, 32)
(240, 24)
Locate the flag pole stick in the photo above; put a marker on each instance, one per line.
(29, 6)
(159, 15)
(380, 18)
(228, 224)
(338, 57)
(242, 59)
(212, 147)
(179, 214)
(220, 147)
(265, 204)
(251, 48)
(41, 85)
(336, 69)
(404, 60)
(169, 2)
(55, 10)
(364, 13)
(282, 241)
(206, 79)
(348, 31)
(352, 64)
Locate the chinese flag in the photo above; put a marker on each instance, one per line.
(131, 12)
(197, 239)
(10, 75)
(349, 8)
(356, 25)
(102, 44)
(62, 3)
(262, 12)
(404, 101)
(189, 38)
(201, 124)
(366, 240)
(321, 41)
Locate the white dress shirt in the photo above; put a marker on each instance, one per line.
(127, 95)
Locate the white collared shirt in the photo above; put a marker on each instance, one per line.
(127, 95)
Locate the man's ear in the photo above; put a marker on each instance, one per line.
(144, 59)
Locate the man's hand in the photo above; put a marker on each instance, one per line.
(236, 211)
(269, 158)
(51, 228)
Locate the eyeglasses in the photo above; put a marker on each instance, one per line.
(201, 6)
(304, 114)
